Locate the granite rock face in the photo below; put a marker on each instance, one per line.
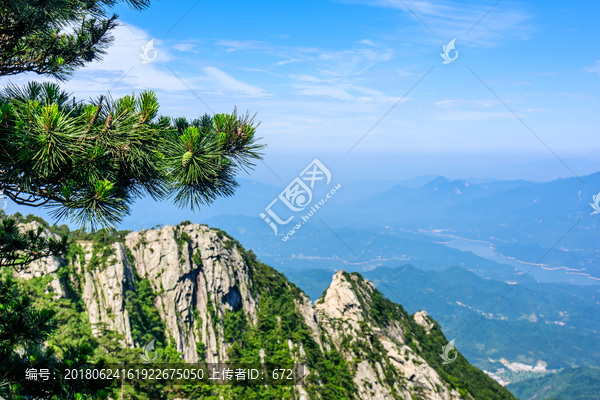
(104, 288)
(343, 315)
(196, 273)
(46, 266)
(193, 270)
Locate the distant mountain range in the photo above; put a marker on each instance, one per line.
(527, 221)
(314, 246)
(523, 220)
(520, 219)
(510, 225)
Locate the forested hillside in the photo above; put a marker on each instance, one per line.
(204, 298)
(570, 384)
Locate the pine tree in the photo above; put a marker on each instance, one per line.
(25, 329)
(55, 37)
(90, 160)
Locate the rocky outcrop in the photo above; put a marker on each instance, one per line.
(46, 266)
(389, 368)
(306, 309)
(106, 276)
(421, 319)
(198, 276)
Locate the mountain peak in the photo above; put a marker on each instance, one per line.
(340, 299)
(440, 180)
(358, 322)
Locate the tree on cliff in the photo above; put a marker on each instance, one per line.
(88, 161)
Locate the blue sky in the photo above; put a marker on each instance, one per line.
(320, 74)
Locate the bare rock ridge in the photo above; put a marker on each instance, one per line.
(194, 271)
(346, 318)
(218, 303)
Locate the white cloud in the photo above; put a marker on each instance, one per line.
(324, 91)
(307, 78)
(124, 52)
(339, 89)
(121, 69)
(223, 83)
(351, 62)
(452, 103)
(474, 116)
(406, 71)
(234, 45)
(184, 46)
(594, 69)
(447, 103)
(368, 42)
(450, 19)
(291, 60)
(121, 72)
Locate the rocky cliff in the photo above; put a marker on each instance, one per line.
(216, 302)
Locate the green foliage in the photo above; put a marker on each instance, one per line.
(100, 255)
(201, 350)
(380, 311)
(197, 257)
(34, 38)
(278, 321)
(71, 281)
(228, 241)
(130, 256)
(233, 324)
(145, 320)
(25, 324)
(18, 249)
(146, 324)
(72, 325)
(439, 291)
(183, 239)
(33, 315)
(56, 149)
(211, 310)
(88, 161)
(459, 374)
(102, 236)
